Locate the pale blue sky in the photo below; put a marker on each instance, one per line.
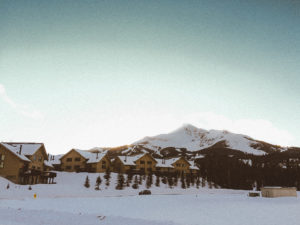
(106, 73)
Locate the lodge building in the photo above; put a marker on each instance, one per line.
(25, 163)
(83, 161)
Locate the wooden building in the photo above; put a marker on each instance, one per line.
(24, 163)
(176, 165)
(273, 192)
(143, 163)
(83, 161)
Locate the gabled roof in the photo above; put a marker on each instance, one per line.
(15, 149)
(130, 160)
(55, 159)
(48, 163)
(27, 148)
(91, 157)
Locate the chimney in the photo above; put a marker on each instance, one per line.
(20, 149)
(125, 158)
(97, 155)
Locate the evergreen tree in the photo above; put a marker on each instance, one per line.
(107, 177)
(188, 181)
(198, 182)
(98, 183)
(209, 184)
(149, 181)
(157, 182)
(140, 180)
(87, 182)
(192, 179)
(182, 180)
(176, 179)
(121, 180)
(135, 183)
(128, 181)
(164, 180)
(170, 181)
(203, 182)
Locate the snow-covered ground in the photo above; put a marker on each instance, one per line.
(69, 202)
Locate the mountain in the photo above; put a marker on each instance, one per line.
(194, 140)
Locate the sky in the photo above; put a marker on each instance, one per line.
(81, 74)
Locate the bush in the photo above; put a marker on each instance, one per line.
(145, 192)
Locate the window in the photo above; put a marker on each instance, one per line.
(68, 167)
(149, 169)
(142, 162)
(77, 167)
(40, 158)
(177, 164)
(69, 159)
(2, 156)
(103, 166)
(104, 162)
(149, 162)
(77, 159)
(34, 158)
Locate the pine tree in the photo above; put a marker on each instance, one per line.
(192, 179)
(128, 181)
(87, 182)
(170, 181)
(107, 177)
(149, 181)
(121, 180)
(198, 182)
(188, 181)
(140, 180)
(98, 183)
(182, 179)
(157, 182)
(176, 180)
(209, 184)
(203, 182)
(164, 180)
(135, 183)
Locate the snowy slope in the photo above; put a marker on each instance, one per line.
(193, 139)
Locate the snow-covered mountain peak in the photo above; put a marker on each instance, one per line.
(195, 139)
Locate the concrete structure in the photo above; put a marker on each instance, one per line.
(273, 192)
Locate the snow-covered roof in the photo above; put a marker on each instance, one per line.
(55, 159)
(27, 148)
(48, 163)
(200, 156)
(90, 156)
(130, 160)
(168, 163)
(15, 149)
